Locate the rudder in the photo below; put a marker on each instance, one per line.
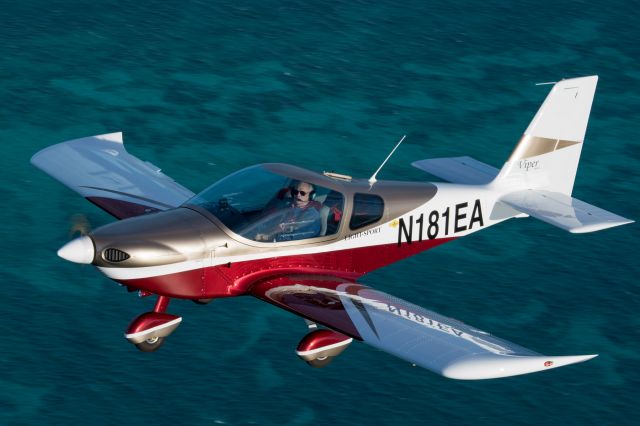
(548, 153)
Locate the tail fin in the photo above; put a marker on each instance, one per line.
(548, 153)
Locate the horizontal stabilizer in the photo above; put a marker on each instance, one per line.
(464, 170)
(563, 211)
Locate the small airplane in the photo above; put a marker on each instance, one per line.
(300, 240)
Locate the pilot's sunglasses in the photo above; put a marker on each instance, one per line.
(296, 192)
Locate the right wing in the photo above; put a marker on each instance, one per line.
(101, 170)
(443, 345)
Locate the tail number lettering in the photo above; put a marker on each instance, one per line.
(435, 224)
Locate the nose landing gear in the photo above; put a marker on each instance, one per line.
(149, 330)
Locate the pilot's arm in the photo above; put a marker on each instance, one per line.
(270, 226)
(305, 224)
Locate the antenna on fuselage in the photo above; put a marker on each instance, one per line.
(373, 179)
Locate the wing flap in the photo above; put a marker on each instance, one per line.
(100, 169)
(443, 345)
(563, 211)
(463, 170)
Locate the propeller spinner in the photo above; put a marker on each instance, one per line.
(80, 250)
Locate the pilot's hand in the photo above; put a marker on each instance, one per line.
(287, 227)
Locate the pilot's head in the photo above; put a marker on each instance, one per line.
(302, 194)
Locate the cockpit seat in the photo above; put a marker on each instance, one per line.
(331, 213)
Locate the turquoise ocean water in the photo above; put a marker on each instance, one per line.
(204, 88)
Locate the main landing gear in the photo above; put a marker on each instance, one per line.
(149, 330)
(319, 347)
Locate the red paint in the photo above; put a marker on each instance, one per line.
(121, 209)
(319, 339)
(548, 363)
(323, 308)
(149, 320)
(161, 304)
(184, 285)
(349, 264)
(237, 278)
(304, 296)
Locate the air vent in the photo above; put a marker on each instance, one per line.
(114, 255)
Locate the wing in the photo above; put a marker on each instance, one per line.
(443, 345)
(100, 169)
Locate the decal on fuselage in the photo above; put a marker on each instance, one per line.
(362, 234)
(440, 223)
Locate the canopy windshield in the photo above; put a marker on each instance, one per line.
(265, 206)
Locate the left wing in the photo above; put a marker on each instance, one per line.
(100, 169)
(443, 345)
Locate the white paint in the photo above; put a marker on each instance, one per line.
(144, 333)
(497, 366)
(103, 162)
(563, 116)
(79, 250)
(565, 112)
(324, 348)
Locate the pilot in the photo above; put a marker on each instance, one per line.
(300, 218)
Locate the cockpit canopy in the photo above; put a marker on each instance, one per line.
(262, 205)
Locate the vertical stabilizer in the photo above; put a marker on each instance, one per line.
(548, 153)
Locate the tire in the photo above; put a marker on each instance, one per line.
(319, 363)
(150, 345)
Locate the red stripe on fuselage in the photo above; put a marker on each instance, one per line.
(236, 278)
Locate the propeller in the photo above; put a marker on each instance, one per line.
(80, 249)
(80, 225)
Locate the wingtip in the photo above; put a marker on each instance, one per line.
(498, 366)
(587, 357)
(111, 137)
(594, 227)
